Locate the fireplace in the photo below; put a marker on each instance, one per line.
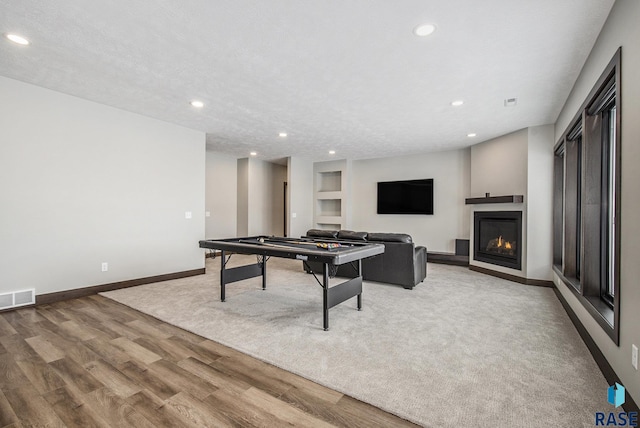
(498, 238)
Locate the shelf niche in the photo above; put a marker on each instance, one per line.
(329, 207)
(329, 181)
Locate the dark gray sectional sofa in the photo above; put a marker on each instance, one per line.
(402, 262)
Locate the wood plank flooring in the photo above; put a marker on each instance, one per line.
(92, 362)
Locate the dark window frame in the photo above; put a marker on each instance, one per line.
(587, 262)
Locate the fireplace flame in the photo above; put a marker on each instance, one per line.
(501, 245)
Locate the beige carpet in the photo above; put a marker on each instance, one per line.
(462, 349)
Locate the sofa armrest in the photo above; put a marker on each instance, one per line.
(420, 264)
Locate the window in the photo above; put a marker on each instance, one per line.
(586, 202)
(608, 285)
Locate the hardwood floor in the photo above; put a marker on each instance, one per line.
(93, 362)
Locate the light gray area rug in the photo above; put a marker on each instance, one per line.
(462, 349)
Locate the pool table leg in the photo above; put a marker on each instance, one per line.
(360, 274)
(325, 296)
(223, 260)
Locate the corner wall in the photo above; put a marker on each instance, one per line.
(83, 183)
(499, 167)
(520, 163)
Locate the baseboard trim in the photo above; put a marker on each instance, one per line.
(606, 369)
(59, 296)
(518, 279)
(212, 254)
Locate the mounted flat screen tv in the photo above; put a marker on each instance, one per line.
(405, 197)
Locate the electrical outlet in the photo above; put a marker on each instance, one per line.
(634, 356)
(105, 266)
(188, 214)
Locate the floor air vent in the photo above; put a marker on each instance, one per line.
(14, 299)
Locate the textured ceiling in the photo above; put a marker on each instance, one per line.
(343, 75)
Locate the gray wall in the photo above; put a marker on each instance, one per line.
(499, 166)
(450, 171)
(82, 183)
(621, 29)
(260, 203)
(278, 178)
(221, 195)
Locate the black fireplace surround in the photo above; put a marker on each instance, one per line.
(498, 238)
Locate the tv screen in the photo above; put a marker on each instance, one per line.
(405, 197)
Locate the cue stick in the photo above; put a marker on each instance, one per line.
(290, 242)
(316, 244)
(310, 242)
(264, 243)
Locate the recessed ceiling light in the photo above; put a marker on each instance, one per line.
(471, 135)
(197, 104)
(282, 134)
(457, 103)
(17, 39)
(253, 153)
(332, 152)
(424, 30)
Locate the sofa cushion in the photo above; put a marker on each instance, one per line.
(390, 237)
(352, 236)
(320, 233)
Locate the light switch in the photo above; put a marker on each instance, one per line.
(187, 214)
(294, 215)
(207, 214)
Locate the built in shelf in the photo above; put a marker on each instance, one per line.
(329, 195)
(508, 199)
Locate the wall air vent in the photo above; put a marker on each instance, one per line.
(14, 299)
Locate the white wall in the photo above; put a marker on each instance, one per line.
(221, 194)
(82, 183)
(621, 29)
(242, 207)
(450, 173)
(540, 202)
(300, 196)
